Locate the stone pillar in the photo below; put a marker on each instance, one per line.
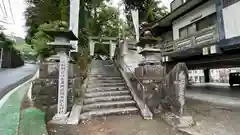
(70, 69)
(112, 49)
(206, 75)
(123, 52)
(62, 46)
(91, 47)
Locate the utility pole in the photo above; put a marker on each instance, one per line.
(119, 22)
(1, 55)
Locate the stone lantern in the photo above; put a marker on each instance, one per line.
(152, 55)
(62, 46)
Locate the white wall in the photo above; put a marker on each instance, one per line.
(132, 59)
(231, 17)
(204, 10)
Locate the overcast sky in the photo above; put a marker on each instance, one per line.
(18, 8)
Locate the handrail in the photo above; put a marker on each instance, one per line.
(135, 77)
(117, 53)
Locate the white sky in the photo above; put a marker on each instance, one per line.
(18, 8)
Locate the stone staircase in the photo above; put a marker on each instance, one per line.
(106, 93)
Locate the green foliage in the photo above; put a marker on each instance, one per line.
(95, 19)
(149, 10)
(101, 20)
(65, 8)
(43, 11)
(5, 42)
(40, 39)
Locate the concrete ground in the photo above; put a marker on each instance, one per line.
(116, 125)
(211, 118)
(214, 120)
(215, 107)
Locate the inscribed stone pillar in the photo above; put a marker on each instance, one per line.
(112, 48)
(91, 47)
(62, 46)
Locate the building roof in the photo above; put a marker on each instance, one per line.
(166, 21)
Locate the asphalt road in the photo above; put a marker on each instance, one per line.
(10, 78)
(216, 93)
(220, 89)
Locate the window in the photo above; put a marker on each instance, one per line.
(206, 22)
(227, 3)
(187, 30)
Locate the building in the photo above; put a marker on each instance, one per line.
(202, 33)
(216, 75)
(196, 76)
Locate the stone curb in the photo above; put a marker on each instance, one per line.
(35, 127)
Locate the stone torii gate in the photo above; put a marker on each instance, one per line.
(105, 41)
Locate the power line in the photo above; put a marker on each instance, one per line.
(3, 21)
(4, 7)
(10, 7)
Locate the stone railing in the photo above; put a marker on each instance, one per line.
(205, 37)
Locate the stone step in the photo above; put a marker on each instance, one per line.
(105, 81)
(104, 74)
(104, 89)
(106, 99)
(108, 93)
(105, 78)
(111, 104)
(110, 88)
(105, 112)
(105, 85)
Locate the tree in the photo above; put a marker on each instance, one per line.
(98, 19)
(95, 19)
(5, 42)
(149, 10)
(40, 38)
(43, 11)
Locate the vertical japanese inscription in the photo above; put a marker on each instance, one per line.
(62, 85)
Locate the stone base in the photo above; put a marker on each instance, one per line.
(177, 121)
(183, 124)
(60, 119)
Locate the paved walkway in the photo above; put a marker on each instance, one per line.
(30, 121)
(10, 110)
(9, 77)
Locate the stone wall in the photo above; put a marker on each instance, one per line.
(45, 89)
(11, 58)
(163, 91)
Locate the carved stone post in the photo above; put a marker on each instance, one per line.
(62, 46)
(112, 49)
